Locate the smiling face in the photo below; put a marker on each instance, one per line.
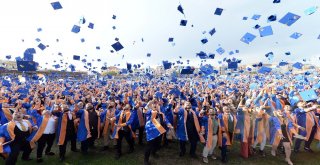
(17, 115)
(187, 105)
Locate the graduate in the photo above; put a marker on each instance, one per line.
(123, 130)
(188, 128)
(13, 138)
(209, 127)
(108, 118)
(154, 129)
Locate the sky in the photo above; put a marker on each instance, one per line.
(155, 21)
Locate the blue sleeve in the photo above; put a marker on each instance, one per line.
(35, 114)
(130, 121)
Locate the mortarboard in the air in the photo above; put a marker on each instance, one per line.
(117, 46)
(269, 55)
(264, 70)
(38, 39)
(187, 71)
(220, 50)
(56, 5)
(272, 18)
(308, 95)
(283, 63)
(8, 57)
(75, 29)
(83, 40)
(39, 30)
(166, 65)
(318, 37)
(180, 9)
(26, 66)
(311, 10)
(211, 56)
(76, 57)
(244, 18)
(114, 27)
(149, 55)
(257, 26)
(41, 46)
(237, 51)
(276, 1)
(247, 38)
(297, 65)
(204, 41)
(28, 54)
(183, 22)
(129, 66)
(170, 40)
(296, 35)
(256, 17)
(91, 25)
(289, 19)
(265, 31)
(202, 55)
(232, 65)
(218, 11)
(287, 53)
(56, 66)
(116, 39)
(212, 31)
(98, 47)
(82, 20)
(114, 17)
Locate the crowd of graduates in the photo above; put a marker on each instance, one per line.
(35, 116)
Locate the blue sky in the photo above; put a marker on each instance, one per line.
(155, 21)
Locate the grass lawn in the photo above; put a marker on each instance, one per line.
(170, 156)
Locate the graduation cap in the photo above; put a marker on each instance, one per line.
(91, 25)
(220, 50)
(256, 17)
(129, 66)
(272, 18)
(180, 9)
(187, 71)
(183, 22)
(76, 57)
(287, 53)
(237, 51)
(265, 31)
(148, 54)
(232, 65)
(8, 57)
(202, 55)
(98, 47)
(204, 41)
(311, 10)
(26, 66)
(276, 1)
(257, 26)
(296, 35)
(75, 29)
(218, 11)
(211, 56)
(38, 39)
(297, 65)
(114, 27)
(56, 5)
(289, 19)
(114, 17)
(231, 53)
(244, 18)
(207, 69)
(41, 46)
(117, 46)
(264, 70)
(212, 31)
(56, 66)
(166, 65)
(83, 40)
(308, 95)
(170, 40)
(283, 63)
(82, 20)
(247, 38)
(39, 30)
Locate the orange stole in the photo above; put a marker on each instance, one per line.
(209, 135)
(107, 122)
(86, 122)
(62, 133)
(225, 121)
(156, 123)
(128, 114)
(99, 123)
(40, 131)
(140, 117)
